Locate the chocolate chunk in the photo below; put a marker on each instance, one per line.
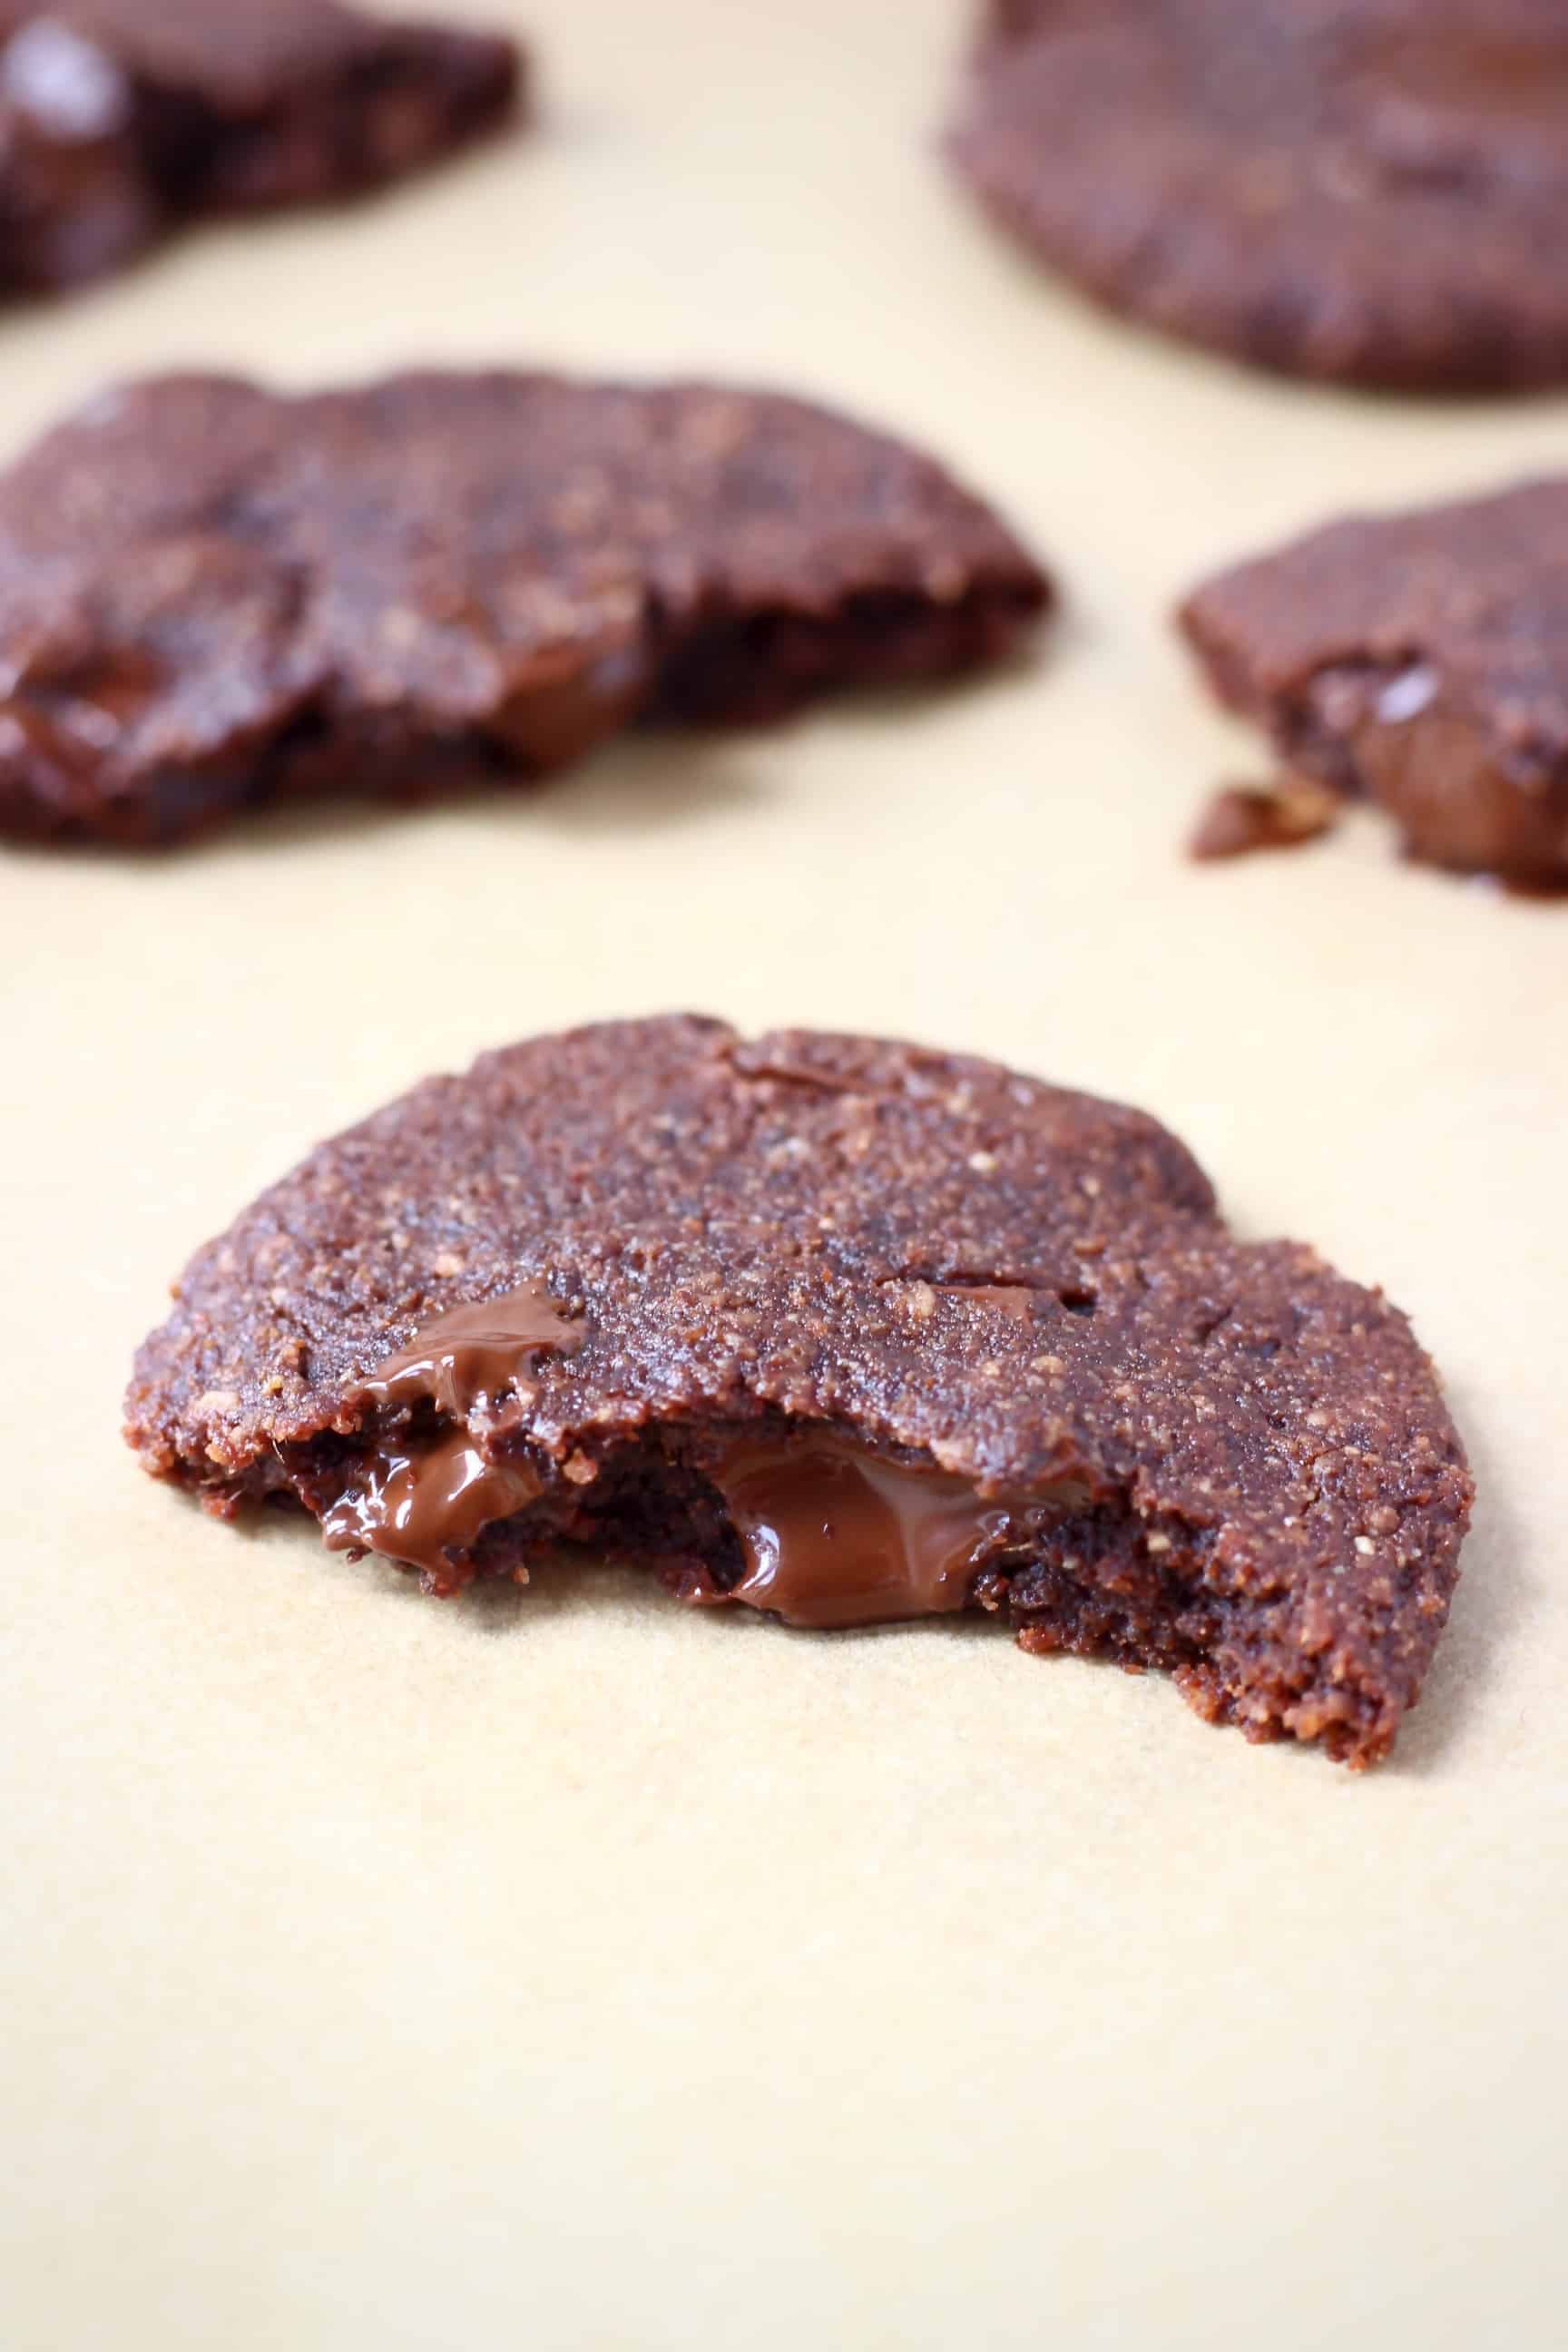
(120, 120)
(211, 595)
(437, 1490)
(1421, 660)
(844, 1331)
(1241, 818)
(833, 1536)
(1367, 190)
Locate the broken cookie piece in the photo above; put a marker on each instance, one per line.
(842, 1331)
(121, 119)
(213, 595)
(1419, 661)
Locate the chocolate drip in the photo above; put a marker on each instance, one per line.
(417, 1498)
(832, 1535)
(476, 1352)
(417, 1503)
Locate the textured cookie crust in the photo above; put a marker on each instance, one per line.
(1367, 190)
(1420, 660)
(122, 119)
(1242, 1467)
(212, 596)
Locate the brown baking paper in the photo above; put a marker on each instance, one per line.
(566, 1968)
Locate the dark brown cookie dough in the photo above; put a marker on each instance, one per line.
(1419, 661)
(1367, 190)
(844, 1330)
(211, 595)
(122, 119)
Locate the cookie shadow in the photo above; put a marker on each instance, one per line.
(664, 772)
(1489, 1610)
(565, 1584)
(652, 782)
(634, 785)
(642, 784)
(646, 780)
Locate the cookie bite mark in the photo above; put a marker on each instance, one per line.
(444, 581)
(839, 1330)
(1419, 661)
(833, 1535)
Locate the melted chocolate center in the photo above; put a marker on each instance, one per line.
(417, 1499)
(833, 1536)
(416, 1503)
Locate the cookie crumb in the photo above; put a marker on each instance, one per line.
(1241, 818)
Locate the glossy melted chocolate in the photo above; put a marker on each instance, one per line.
(832, 1535)
(417, 1499)
(416, 1503)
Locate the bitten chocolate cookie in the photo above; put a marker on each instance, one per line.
(122, 119)
(1367, 190)
(1419, 661)
(844, 1331)
(212, 596)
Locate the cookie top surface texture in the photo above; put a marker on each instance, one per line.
(1215, 1456)
(210, 594)
(121, 119)
(1364, 190)
(1420, 659)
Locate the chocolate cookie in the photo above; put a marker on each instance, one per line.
(842, 1331)
(1420, 660)
(1369, 190)
(121, 119)
(212, 596)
